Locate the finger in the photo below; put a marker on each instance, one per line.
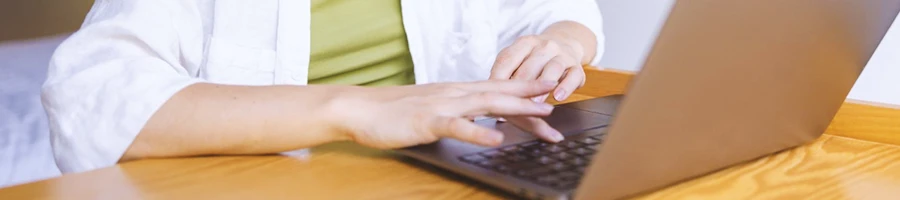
(574, 78)
(538, 127)
(488, 103)
(533, 65)
(465, 130)
(511, 57)
(554, 71)
(498, 118)
(518, 88)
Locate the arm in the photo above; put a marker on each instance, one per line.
(106, 80)
(205, 119)
(118, 90)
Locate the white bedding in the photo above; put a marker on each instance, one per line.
(25, 153)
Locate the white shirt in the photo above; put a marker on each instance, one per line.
(131, 56)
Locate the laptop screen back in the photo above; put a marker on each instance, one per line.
(731, 81)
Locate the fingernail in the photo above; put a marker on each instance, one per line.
(545, 107)
(561, 94)
(558, 137)
(543, 98)
(536, 99)
(549, 82)
(493, 139)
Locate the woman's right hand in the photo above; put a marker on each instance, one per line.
(396, 117)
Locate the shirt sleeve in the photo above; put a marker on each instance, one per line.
(532, 17)
(107, 80)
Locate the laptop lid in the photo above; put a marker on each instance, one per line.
(730, 81)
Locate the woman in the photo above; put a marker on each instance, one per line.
(169, 78)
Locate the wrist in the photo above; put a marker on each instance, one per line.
(341, 111)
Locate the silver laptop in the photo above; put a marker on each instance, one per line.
(726, 82)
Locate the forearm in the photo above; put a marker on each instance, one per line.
(577, 33)
(211, 119)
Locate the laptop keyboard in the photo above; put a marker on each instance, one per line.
(558, 165)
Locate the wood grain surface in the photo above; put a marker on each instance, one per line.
(833, 167)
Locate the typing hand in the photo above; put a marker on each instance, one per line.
(542, 57)
(545, 58)
(404, 116)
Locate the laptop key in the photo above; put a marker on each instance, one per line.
(578, 162)
(554, 148)
(560, 166)
(570, 144)
(582, 151)
(562, 156)
(589, 141)
(545, 160)
(536, 152)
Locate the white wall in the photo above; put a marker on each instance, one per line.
(880, 81)
(631, 27)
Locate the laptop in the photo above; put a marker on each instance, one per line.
(726, 82)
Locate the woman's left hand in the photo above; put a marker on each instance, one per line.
(543, 57)
(557, 54)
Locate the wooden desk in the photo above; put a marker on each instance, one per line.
(858, 159)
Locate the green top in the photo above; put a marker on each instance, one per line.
(359, 42)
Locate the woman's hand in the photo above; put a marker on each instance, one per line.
(556, 55)
(543, 57)
(411, 115)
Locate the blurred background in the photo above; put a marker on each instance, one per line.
(631, 27)
(24, 19)
(30, 30)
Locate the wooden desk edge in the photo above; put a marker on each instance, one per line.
(601, 82)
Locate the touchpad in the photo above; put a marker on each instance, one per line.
(571, 121)
(567, 120)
